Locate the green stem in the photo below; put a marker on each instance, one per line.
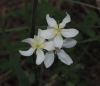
(34, 18)
(35, 70)
(32, 33)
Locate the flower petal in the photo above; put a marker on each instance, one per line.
(40, 56)
(65, 20)
(49, 46)
(69, 32)
(64, 57)
(47, 34)
(49, 27)
(28, 40)
(51, 21)
(51, 39)
(49, 59)
(41, 39)
(68, 43)
(58, 41)
(39, 31)
(28, 52)
(35, 37)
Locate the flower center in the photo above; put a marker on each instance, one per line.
(38, 44)
(57, 30)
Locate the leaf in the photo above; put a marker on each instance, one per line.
(96, 38)
(89, 21)
(70, 84)
(81, 3)
(4, 64)
(23, 81)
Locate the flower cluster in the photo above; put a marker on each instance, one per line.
(51, 40)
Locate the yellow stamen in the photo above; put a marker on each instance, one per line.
(38, 44)
(57, 30)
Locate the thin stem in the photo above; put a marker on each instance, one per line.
(32, 33)
(34, 18)
(35, 70)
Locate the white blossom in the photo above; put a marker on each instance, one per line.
(62, 55)
(56, 31)
(38, 44)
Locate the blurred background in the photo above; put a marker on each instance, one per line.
(17, 70)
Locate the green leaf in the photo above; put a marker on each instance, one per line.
(96, 38)
(70, 84)
(16, 29)
(81, 3)
(23, 81)
(4, 64)
(89, 21)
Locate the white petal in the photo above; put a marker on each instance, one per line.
(51, 21)
(39, 31)
(58, 41)
(49, 46)
(49, 27)
(64, 21)
(40, 56)
(38, 38)
(64, 57)
(49, 59)
(69, 32)
(68, 43)
(35, 37)
(28, 40)
(52, 39)
(47, 34)
(41, 39)
(28, 52)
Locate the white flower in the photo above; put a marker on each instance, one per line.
(62, 55)
(39, 44)
(56, 31)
